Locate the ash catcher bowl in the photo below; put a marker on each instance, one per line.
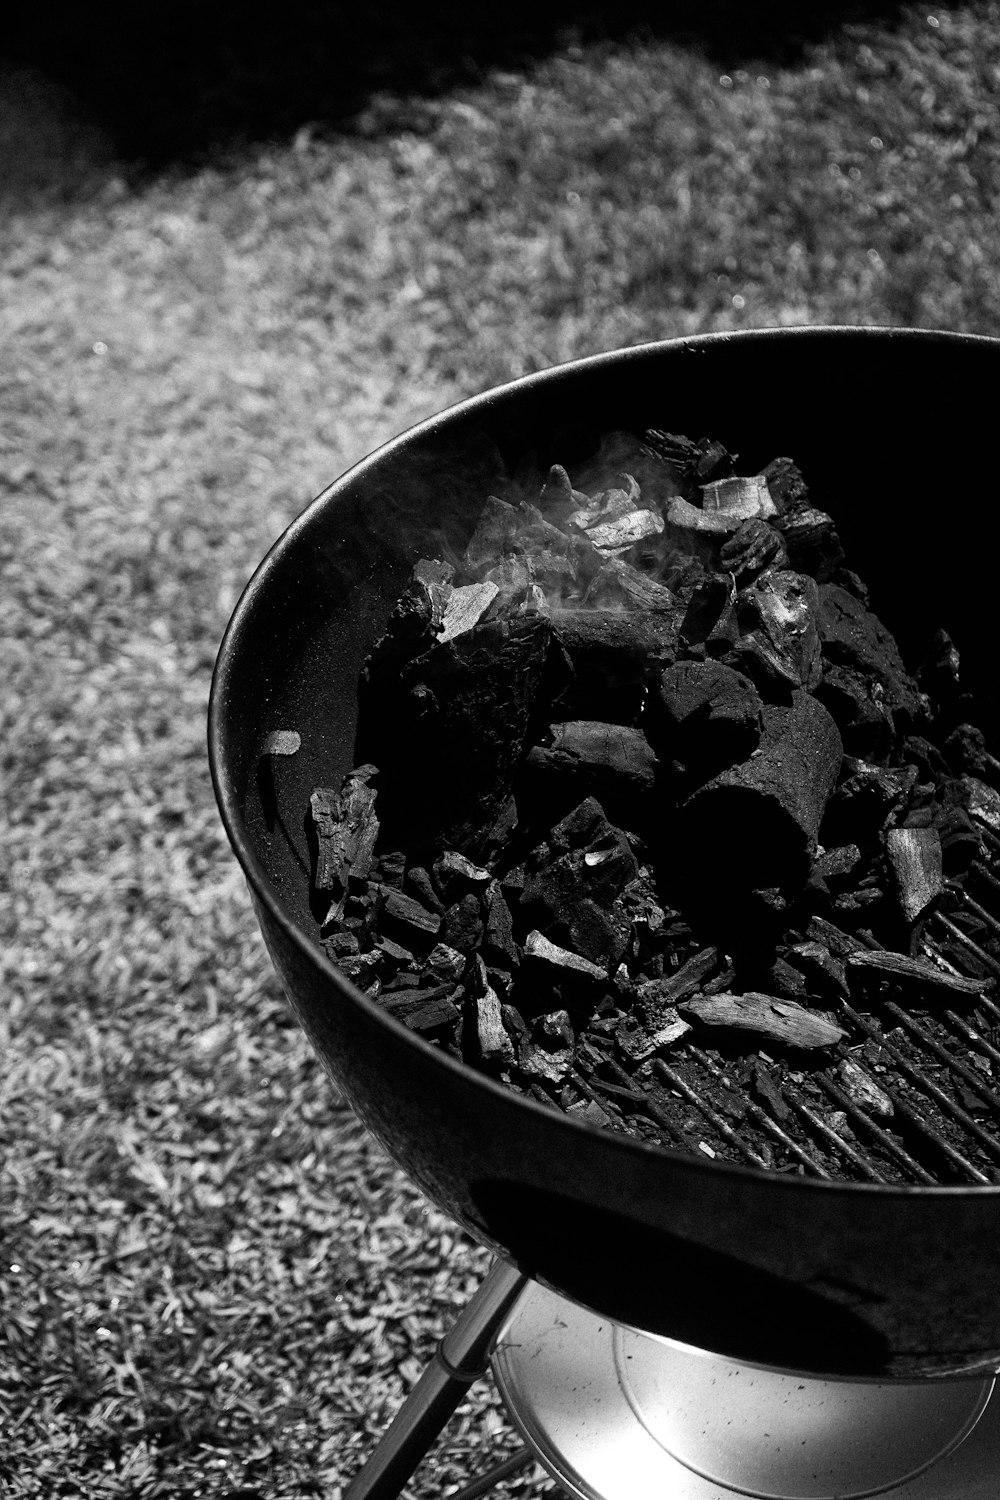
(850, 1279)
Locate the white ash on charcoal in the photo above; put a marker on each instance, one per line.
(649, 809)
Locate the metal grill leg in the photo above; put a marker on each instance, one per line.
(459, 1360)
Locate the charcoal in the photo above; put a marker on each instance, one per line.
(966, 750)
(812, 542)
(492, 1042)
(765, 1015)
(396, 954)
(346, 831)
(755, 825)
(866, 800)
(390, 868)
(916, 975)
(746, 496)
(548, 1053)
(640, 1042)
(433, 1016)
(982, 801)
(853, 637)
(703, 717)
(423, 889)
(767, 1090)
(455, 876)
(778, 635)
(615, 520)
(568, 965)
(822, 970)
(611, 653)
(498, 944)
(727, 505)
(756, 545)
(839, 866)
(405, 918)
(461, 926)
(690, 463)
(864, 721)
(710, 614)
(914, 856)
(786, 485)
(618, 585)
(659, 996)
(558, 499)
(584, 757)
(863, 1090)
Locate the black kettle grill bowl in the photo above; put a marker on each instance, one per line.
(826, 1278)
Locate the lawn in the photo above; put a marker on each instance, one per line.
(212, 1283)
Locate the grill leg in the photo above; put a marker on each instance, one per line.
(459, 1360)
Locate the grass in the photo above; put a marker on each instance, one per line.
(213, 1282)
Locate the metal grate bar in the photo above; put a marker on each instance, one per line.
(928, 1087)
(837, 1142)
(971, 1035)
(766, 1122)
(724, 1129)
(887, 1141)
(967, 1074)
(962, 937)
(980, 911)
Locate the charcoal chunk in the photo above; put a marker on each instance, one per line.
(703, 717)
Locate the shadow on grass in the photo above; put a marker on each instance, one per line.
(172, 83)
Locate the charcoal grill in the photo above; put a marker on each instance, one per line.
(879, 1260)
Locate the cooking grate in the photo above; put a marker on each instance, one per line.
(937, 1069)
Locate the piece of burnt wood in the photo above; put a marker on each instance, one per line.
(779, 638)
(914, 857)
(786, 486)
(863, 1090)
(455, 876)
(346, 830)
(702, 717)
(852, 636)
(611, 654)
(583, 758)
(863, 718)
(746, 495)
(982, 802)
(615, 520)
(490, 1040)
(617, 584)
(920, 979)
(433, 1017)
(462, 924)
(710, 613)
(868, 797)
(422, 887)
(752, 548)
(656, 997)
(499, 946)
(812, 541)
(450, 727)
(564, 962)
(745, 501)
(766, 1016)
(548, 1051)
(638, 1042)
(755, 825)
(558, 499)
(823, 971)
(690, 464)
(405, 919)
